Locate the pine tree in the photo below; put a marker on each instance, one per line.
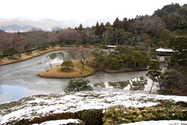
(101, 29)
(77, 85)
(68, 64)
(13, 52)
(97, 29)
(125, 24)
(179, 57)
(154, 72)
(80, 27)
(117, 24)
(165, 36)
(166, 21)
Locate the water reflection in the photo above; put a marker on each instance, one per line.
(137, 83)
(12, 93)
(63, 55)
(58, 55)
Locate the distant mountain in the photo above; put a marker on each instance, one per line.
(23, 23)
(15, 18)
(86, 23)
(16, 27)
(50, 20)
(2, 31)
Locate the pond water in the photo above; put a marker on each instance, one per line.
(21, 79)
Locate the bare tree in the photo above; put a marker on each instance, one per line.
(5, 41)
(80, 54)
(106, 36)
(69, 35)
(18, 41)
(83, 56)
(148, 24)
(35, 38)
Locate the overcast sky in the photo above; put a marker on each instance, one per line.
(81, 9)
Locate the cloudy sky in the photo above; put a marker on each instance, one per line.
(81, 9)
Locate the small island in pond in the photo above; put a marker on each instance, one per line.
(86, 62)
(77, 71)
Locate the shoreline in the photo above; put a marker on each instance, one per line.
(7, 61)
(74, 74)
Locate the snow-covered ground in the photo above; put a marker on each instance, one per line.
(162, 122)
(40, 105)
(60, 122)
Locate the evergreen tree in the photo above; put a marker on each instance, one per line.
(165, 37)
(13, 52)
(179, 57)
(97, 29)
(101, 29)
(154, 71)
(80, 27)
(117, 24)
(68, 64)
(140, 58)
(109, 28)
(77, 85)
(167, 23)
(173, 82)
(53, 44)
(125, 24)
(1, 56)
(114, 62)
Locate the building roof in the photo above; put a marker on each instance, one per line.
(164, 50)
(111, 46)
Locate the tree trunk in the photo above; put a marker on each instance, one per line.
(151, 87)
(82, 62)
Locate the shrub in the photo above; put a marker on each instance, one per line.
(92, 117)
(78, 84)
(172, 82)
(1, 56)
(120, 114)
(53, 44)
(62, 44)
(68, 64)
(13, 52)
(28, 52)
(87, 45)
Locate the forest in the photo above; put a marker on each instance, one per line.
(135, 38)
(159, 30)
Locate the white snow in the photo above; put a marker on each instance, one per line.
(164, 50)
(37, 106)
(60, 122)
(161, 122)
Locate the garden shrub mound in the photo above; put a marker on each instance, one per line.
(58, 71)
(120, 114)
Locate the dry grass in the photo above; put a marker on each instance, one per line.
(25, 57)
(77, 71)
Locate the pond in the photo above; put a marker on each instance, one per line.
(21, 79)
